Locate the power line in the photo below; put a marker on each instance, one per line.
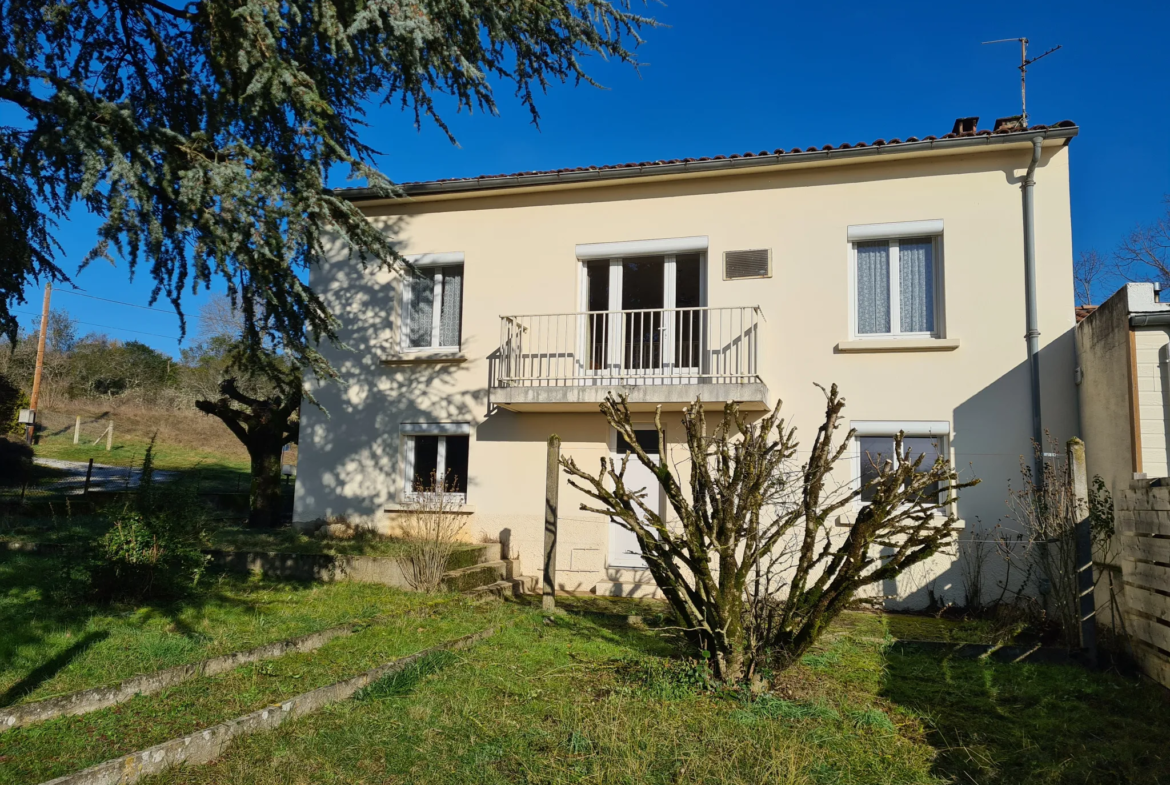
(116, 302)
(106, 326)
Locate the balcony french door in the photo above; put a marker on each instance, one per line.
(635, 321)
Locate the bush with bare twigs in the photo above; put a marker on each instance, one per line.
(431, 528)
(756, 568)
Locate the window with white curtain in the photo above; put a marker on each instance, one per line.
(896, 287)
(433, 304)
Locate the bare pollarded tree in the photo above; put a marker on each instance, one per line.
(754, 567)
(1145, 253)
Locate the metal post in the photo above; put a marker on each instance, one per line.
(77, 430)
(36, 388)
(88, 474)
(1086, 602)
(551, 487)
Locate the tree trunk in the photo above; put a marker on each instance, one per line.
(265, 501)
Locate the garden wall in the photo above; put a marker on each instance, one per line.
(1143, 524)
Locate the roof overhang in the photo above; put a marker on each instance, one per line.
(598, 176)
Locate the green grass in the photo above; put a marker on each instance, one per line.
(604, 694)
(289, 540)
(560, 702)
(213, 471)
(57, 747)
(48, 649)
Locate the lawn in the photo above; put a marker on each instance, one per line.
(598, 694)
(591, 698)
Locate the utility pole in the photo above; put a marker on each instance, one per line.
(30, 430)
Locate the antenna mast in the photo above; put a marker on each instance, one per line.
(1024, 63)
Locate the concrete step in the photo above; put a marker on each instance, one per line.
(497, 589)
(525, 584)
(628, 589)
(468, 578)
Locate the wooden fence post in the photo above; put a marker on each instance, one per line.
(77, 430)
(88, 474)
(551, 488)
(1086, 602)
(110, 437)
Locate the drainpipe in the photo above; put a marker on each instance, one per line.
(1032, 335)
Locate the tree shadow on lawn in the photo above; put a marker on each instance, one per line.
(29, 616)
(1021, 723)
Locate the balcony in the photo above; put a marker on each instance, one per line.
(658, 356)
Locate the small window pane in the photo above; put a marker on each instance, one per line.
(873, 288)
(456, 480)
(647, 440)
(916, 271)
(419, 320)
(451, 316)
(426, 462)
(876, 450)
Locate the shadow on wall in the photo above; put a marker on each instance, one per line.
(352, 465)
(980, 450)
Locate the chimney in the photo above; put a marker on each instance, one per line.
(966, 125)
(1009, 124)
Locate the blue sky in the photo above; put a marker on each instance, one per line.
(737, 76)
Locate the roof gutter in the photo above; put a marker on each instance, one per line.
(1160, 319)
(981, 141)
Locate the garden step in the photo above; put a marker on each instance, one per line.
(468, 578)
(497, 589)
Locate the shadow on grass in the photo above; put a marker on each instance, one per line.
(29, 616)
(1031, 723)
(50, 668)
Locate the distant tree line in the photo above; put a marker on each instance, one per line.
(95, 366)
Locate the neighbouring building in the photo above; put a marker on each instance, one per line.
(894, 269)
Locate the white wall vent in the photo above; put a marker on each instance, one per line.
(755, 263)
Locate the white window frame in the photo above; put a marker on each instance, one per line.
(939, 429)
(894, 234)
(442, 430)
(669, 249)
(431, 260)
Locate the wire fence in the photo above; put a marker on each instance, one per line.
(50, 480)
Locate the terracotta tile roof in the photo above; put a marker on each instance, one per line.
(1083, 312)
(1001, 130)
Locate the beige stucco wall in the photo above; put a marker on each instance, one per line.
(1151, 375)
(520, 259)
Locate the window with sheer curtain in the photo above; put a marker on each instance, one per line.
(433, 304)
(896, 287)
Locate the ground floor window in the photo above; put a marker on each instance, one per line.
(437, 460)
(874, 445)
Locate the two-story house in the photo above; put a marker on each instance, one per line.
(895, 269)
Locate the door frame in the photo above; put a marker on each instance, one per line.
(615, 350)
(612, 445)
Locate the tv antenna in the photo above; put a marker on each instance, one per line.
(1024, 63)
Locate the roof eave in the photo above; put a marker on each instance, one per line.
(498, 183)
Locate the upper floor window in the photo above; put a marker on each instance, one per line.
(896, 281)
(433, 304)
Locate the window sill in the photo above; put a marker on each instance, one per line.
(898, 345)
(425, 356)
(457, 509)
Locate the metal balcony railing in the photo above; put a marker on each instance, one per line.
(641, 347)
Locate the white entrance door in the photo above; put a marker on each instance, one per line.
(623, 545)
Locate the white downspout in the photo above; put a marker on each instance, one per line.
(1032, 335)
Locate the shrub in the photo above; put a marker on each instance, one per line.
(153, 549)
(16, 461)
(12, 400)
(432, 528)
